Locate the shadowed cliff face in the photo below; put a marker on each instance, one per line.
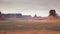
(52, 13)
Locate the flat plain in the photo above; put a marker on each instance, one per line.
(26, 27)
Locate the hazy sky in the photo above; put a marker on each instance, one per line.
(29, 7)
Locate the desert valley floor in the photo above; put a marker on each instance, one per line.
(26, 27)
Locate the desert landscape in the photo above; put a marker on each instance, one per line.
(26, 27)
(29, 16)
(47, 25)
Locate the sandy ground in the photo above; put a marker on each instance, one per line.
(28, 31)
(31, 32)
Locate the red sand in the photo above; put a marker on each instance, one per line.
(31, 32)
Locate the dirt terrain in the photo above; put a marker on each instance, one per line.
(27, 27)
(31, 32)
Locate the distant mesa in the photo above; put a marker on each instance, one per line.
(53, 16)
(13, 16)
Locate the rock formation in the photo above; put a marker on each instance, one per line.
(53, 16)
(52, 13)
(35, 16)
(0, 15)
(1, 18)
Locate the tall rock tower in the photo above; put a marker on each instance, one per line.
(35, 16)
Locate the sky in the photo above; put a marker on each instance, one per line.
(29, 7)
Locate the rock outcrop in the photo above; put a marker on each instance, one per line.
(53, 16)
(52, 13)
(1, 16)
